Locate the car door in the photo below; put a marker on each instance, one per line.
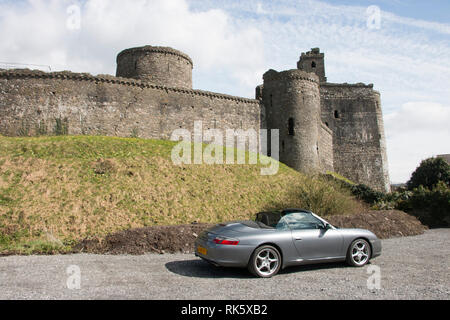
(312, 241)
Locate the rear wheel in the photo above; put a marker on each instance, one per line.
(358, 253)
(265, 262)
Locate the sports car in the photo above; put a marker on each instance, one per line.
(276, 240)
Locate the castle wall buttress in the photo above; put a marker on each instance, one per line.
(326, 155)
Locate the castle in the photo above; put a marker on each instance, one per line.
(322, 126)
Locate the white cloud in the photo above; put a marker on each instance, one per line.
(37, 33)
(416, 131)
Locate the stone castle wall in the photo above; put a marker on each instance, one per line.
(326, 157)
(353, 113)
(107, 105)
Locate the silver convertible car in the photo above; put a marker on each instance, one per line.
(276, 240)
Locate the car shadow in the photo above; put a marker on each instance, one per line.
(314, 267)
(202, 269)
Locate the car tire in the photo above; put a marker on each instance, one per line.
(359, 253)
(265, 262)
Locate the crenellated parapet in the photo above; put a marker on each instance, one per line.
(67, 75)
(293, 74)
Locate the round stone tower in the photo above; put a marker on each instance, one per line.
(292, 104)
(159, 65)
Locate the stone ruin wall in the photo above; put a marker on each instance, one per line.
(353, 113)
(32, 101)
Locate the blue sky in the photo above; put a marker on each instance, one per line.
(232, 43)
(431, 10)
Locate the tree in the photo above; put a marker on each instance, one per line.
(429, 173)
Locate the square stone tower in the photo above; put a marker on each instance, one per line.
(313, 61)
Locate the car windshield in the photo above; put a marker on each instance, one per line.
(288, 220)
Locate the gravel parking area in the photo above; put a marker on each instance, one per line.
(410, 268)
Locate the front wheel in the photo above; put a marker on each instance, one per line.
(358, 253)
(265, 262)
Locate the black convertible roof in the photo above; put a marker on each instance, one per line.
(286, 211)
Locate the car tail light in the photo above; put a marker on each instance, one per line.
(226, 241)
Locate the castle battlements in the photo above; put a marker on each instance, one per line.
(67, 75)
(153, 49)
(293, 74)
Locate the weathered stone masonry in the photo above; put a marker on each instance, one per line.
(114, 106)
(323, 126)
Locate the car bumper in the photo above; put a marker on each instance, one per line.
(224, 255)
(376, 247)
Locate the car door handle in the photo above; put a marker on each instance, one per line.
(298, 239)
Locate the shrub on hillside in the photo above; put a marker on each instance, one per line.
(431, 207)
(367, 194)
(326, 198)
(429, 173)
(360, 191)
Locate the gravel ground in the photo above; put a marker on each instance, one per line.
(411, 268)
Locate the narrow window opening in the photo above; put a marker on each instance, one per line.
(291, 126)
(135, 65)
(271, 101)
(336, 114)
(313, 64)
(326, 123)
(282, 146)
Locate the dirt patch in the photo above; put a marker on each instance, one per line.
(102, 166)
(385, 223)
(172, 239)
(157, 239)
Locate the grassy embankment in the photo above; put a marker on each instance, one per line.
(55, 191)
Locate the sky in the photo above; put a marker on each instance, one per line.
(402, 47)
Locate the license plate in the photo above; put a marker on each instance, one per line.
(202, 251)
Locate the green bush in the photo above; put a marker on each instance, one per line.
(367, 194)
(429, 173)
(361, 191)
(61, 127)
(431, 207)
(429, 201)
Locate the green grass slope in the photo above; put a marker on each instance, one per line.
(55, 191)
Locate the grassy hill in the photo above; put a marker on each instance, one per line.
(56, 191)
